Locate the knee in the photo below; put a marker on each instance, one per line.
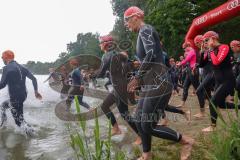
(146, 127)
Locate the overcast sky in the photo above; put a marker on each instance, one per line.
(39, 30)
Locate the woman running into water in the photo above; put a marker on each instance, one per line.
(148, 50)
(219, 56)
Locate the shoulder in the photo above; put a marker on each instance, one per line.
(223, 47)
(146, 30)
(192, 52)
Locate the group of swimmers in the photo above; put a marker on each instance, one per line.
(207, 65)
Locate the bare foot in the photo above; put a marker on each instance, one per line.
(182, 105)
(187, 115)
(209, 129)
(138, 141)
(116, 130)
(145, 156)
(199, 115)
(187, 143)
(229, 99)
(164, 122)
(174, 93)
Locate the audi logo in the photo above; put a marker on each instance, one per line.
(201, 20)
(233, 4)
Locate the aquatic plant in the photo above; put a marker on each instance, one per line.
(81, 145)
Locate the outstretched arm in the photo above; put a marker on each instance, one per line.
(34, 82)
(3, 82)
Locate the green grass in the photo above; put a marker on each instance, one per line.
(102, 148)
(226, 140)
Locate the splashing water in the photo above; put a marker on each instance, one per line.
(47, 137)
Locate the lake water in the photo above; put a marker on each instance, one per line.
(51, 141)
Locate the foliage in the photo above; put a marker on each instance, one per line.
(85, 44)
(172, 18)
(81, 145)
(226, 142)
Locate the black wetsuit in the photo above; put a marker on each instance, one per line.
(65, 84)
(113, 97)
(236, 71)
(148, 49)
(109, 80)
(192, 77)
(14, 75)
(77, 81)
(207, 83)
(224, 78)
(173, 72)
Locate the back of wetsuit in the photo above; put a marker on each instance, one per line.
(105, 66)
(14, 75)
(76, 77)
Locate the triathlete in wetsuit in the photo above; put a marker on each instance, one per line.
(113, 97)
(224, 78)
(235, 46)
(54, 75)
(77, 85)
(192, 76)
(14, 75)
(173, 71)
(182, 72)
(173, 74)
(207, 83)
(148, 49)
(65, 82)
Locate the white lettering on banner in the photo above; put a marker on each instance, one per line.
(233, 4)
(201, 20)
(213, 15)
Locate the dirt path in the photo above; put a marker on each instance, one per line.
(166, 150)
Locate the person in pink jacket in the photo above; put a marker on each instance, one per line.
(192, 76)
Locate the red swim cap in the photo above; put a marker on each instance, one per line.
(106, 38)
(186, 44)
(133, 11)
(8, 55)
(210, 34)
(235, 43)
(73, 62)
(198, 39)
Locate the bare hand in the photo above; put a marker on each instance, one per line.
(178, 64)
(136, 64)
(38, 95)
(81, 88)
(132, 85)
